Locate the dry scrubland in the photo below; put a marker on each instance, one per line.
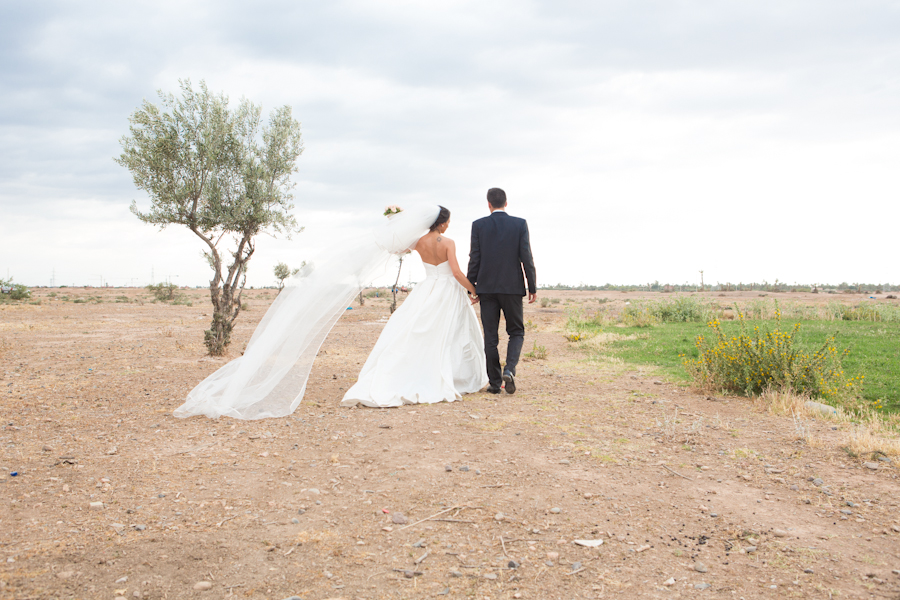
(692, 496)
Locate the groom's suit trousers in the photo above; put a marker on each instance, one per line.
(511, 307)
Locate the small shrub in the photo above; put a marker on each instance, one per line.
(555, 300)
(684, 309)
(638, 315)
(182, 299)
(52, 294)
(870, 312)
(545, 302)
(19, 292)
(538, 352)
(163, 292)
(577, 336)
(589, 325)
(751, 363)
(79, 301)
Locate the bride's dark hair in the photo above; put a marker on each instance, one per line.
(443, 217)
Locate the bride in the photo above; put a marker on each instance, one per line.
(430, 350)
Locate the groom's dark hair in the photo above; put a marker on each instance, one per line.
(496, 197)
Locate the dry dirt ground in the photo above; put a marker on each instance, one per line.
(103, 494)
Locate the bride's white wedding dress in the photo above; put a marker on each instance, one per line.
(431, 349)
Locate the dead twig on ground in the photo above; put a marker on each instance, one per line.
(219, 524)
(421, 558)
(453, 520)
(504, 547)
(675, 472)
(429, 518)
(193, 449)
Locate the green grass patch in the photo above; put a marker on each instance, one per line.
(874, 350)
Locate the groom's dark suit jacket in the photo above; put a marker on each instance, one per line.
(500, 252)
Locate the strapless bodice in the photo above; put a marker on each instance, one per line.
(435, 271)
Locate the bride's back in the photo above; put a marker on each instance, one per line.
(432, 247)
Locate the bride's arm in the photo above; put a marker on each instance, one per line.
(454, 266)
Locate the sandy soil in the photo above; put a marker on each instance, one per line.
(103, 494)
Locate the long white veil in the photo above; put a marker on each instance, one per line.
(269, 380)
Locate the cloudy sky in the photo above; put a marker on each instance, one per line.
(643, 141)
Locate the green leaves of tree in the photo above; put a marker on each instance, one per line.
(221, 173)
(212, 169)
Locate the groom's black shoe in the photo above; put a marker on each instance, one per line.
(510, 382)
(492, 389)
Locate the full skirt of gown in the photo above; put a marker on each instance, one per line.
(431, 349)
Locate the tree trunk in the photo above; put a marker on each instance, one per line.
(218, 336)
(226, 300)
(394, 289)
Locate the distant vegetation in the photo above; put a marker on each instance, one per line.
(168, 292)
(164, 292)
(283, 271)
(13, 291)
(777, 286)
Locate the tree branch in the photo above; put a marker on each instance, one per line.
(217, 261)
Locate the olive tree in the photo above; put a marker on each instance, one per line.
(222, 174)
(282, 272)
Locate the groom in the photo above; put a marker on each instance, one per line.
(500, 252)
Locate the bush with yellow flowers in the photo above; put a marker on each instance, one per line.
(577, 336)
(759, 359)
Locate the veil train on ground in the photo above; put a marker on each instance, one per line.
(269, 379)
